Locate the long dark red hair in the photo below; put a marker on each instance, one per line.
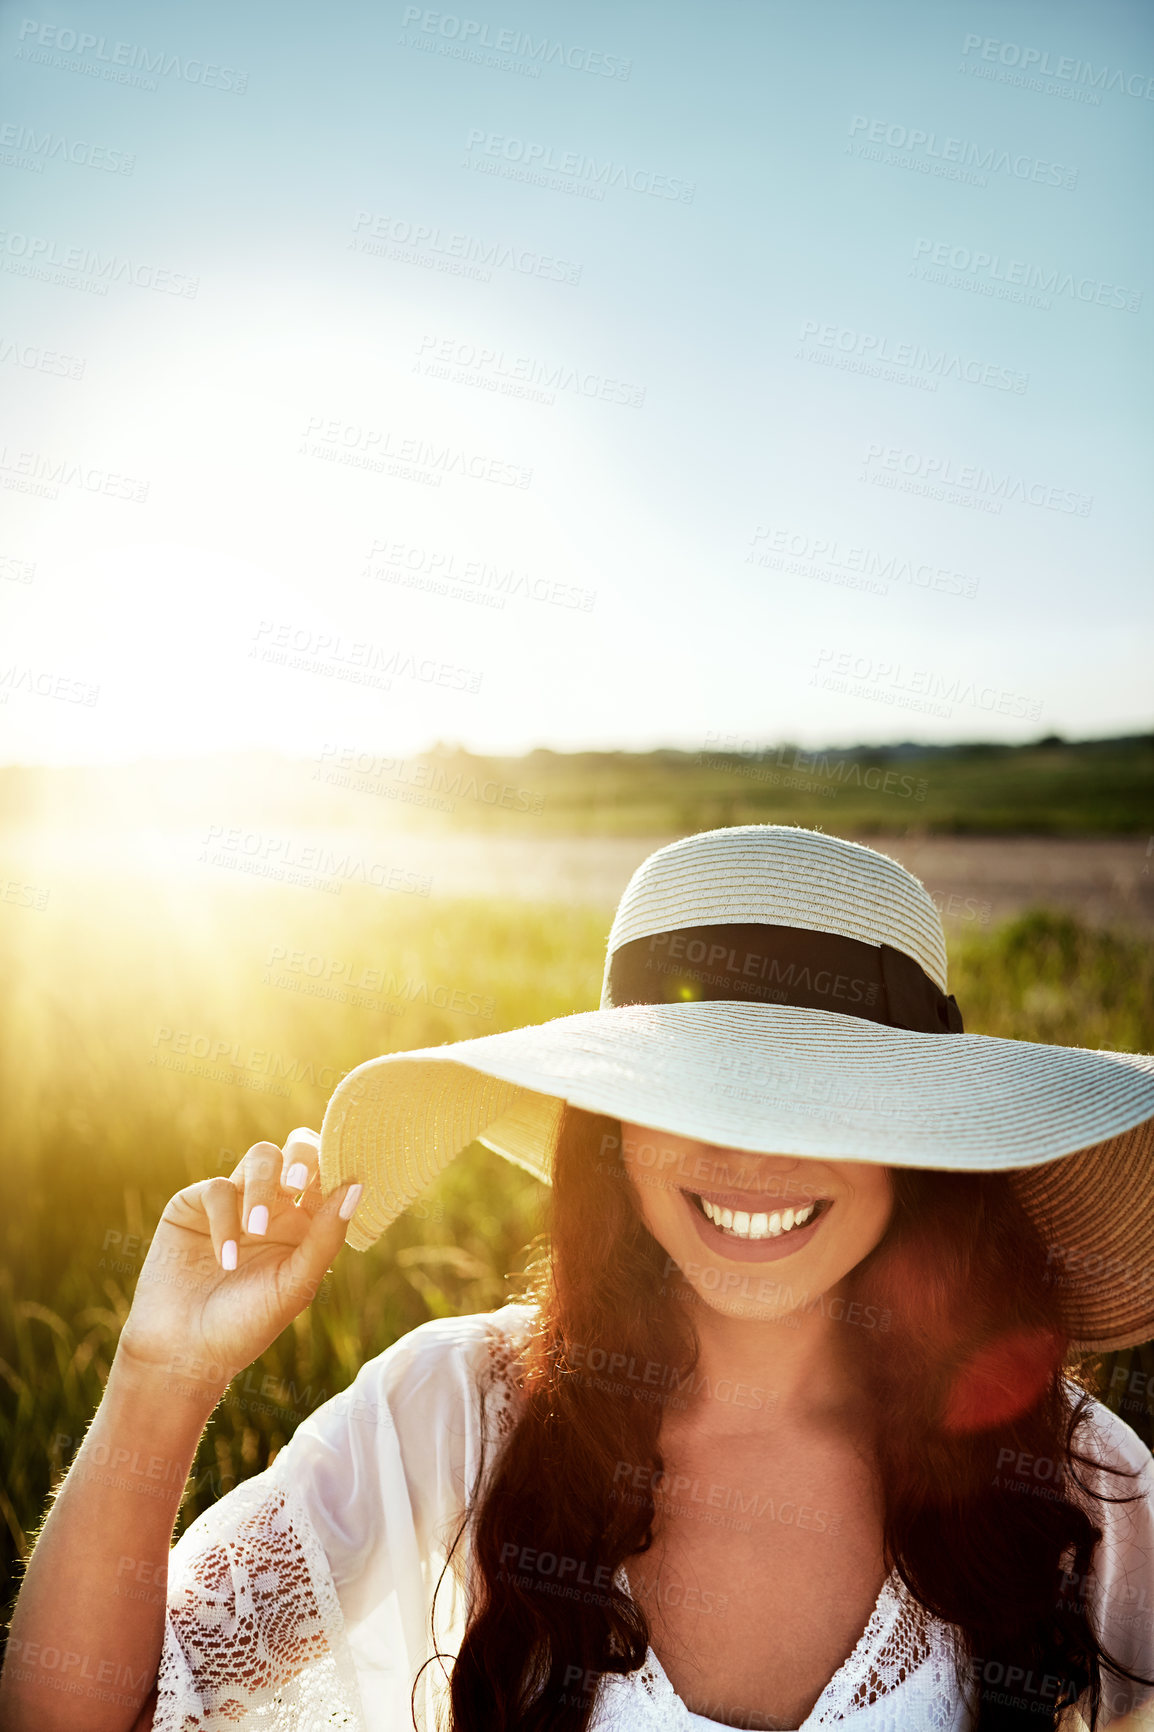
(971, 1360)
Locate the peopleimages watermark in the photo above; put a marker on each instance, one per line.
(823, 768)
(383, 451)
(955, 906)
(937, 477)
(569, 171)
(954, 158)
(360, 662)
(15, 891)
(519, 376)
(420, 782)
(34, 472)
(732, 1287)
(238, 1056)
(972, 268)
(1139, 1387)
(317, 976)
(795, 780)
(442, 571)
(434, 248)
(39, 683)
(80, 267)
(72, 50)
(655, 1380)
(794, 1086)
(136, 1470)
(506, 49)
(40, 360)
(882, 357)
(850, 566)
(688, 1494)
(1075, 1266)
(724, 965)
(308, 865)
(96, 1677)
(22, 146)
(924, 689)
(1024, 1689)
(1040, 63)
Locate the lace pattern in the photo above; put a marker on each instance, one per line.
(254, 1634)
(900, 1675)
(505, 1343)
(901, 1645)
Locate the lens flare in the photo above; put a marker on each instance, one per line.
(1003, 1379)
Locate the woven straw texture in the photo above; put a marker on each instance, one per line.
(782, 876)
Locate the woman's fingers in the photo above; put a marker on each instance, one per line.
(300, 1159)
(260, 1187)
(221, 1203)
(326, 1234)
(266, 1175)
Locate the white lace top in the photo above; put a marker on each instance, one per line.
(302, 1599)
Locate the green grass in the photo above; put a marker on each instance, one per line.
(99, 1130)
(1086, 788)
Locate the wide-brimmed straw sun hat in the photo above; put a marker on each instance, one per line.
(782, 991)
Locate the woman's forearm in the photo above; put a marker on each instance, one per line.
(88, 1628)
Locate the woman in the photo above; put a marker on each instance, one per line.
(781, 1437)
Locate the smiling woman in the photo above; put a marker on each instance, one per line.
(782, 1435)
(813, 1458)
(757, 1210)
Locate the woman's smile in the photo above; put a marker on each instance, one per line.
(738, 1225)
(709, 1206)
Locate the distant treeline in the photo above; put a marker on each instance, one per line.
(1049, 787)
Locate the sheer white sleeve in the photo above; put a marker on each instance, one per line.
(1121, 1587)
(304, 1598)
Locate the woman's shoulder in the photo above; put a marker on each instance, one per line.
(1117, 1469)
(1113, 1480)
(420, 1407)
(462, 1354)
(1109, 1441)
(469, 1337)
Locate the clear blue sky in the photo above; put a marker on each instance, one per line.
(825, 419)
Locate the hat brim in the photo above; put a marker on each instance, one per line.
(779, 1079)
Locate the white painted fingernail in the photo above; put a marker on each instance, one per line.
(258, 1219)
(228, 1254)
(297, 1176)
(348, 1207)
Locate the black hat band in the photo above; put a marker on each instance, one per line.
(765, 964)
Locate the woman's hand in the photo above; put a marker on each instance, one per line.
(231, 1263)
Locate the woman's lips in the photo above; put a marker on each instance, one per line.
(784, 1197)
(764, 1250)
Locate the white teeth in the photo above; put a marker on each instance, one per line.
(759, 1226)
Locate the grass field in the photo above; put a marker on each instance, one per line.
(1054, 788)
(113, 992)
